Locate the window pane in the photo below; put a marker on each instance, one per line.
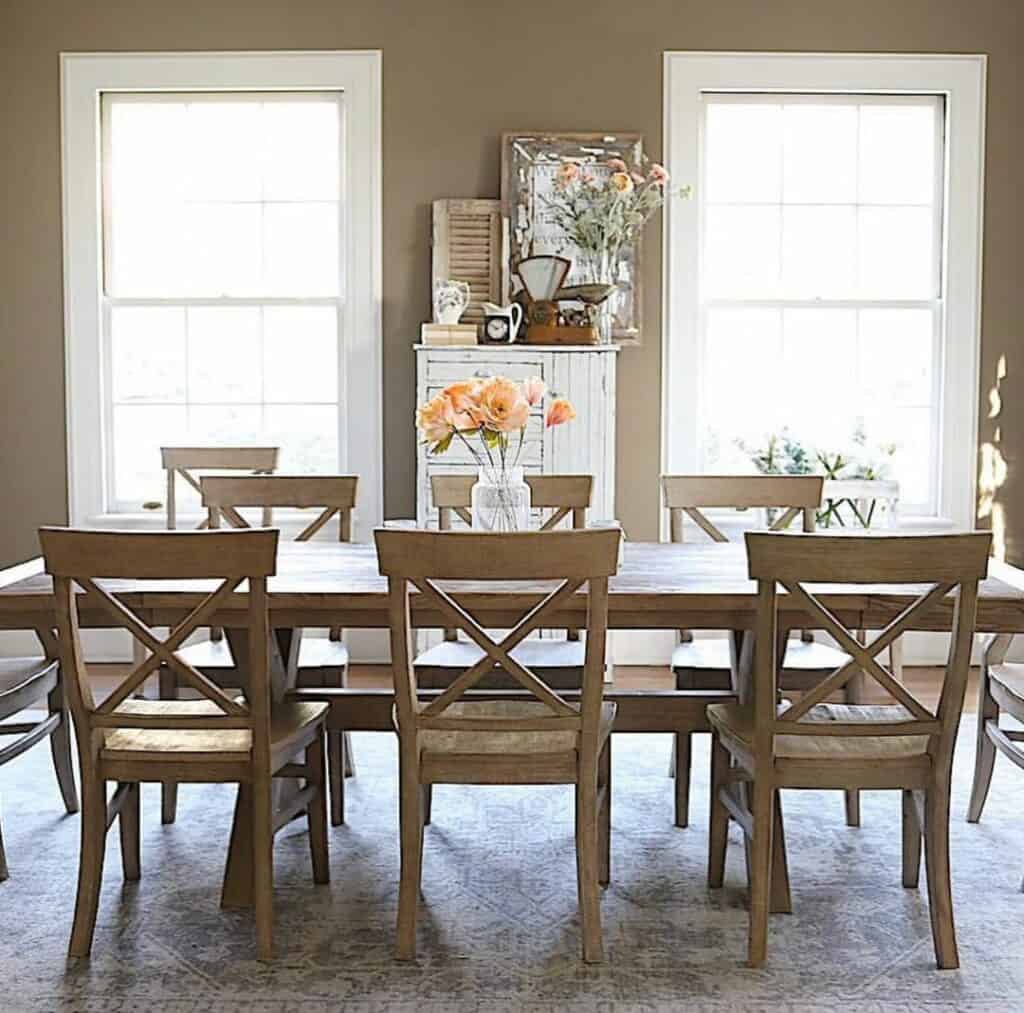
(223, 249)
(139, 433)
(300, 353)
(819, 251)
(225, 425)
(741, 251)
(744, 152)
(301, 151)
(819, 391)
(742, 360)
(224, 151)
(897, 154)
(307, 436)
(896, 253)
(301, 249)
(896, 350)
(224, 354)
(148, 353)
(820, 160)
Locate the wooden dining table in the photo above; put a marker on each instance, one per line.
(659, 586)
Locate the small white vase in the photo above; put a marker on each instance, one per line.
(500, 500)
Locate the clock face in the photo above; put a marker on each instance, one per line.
(497, 328)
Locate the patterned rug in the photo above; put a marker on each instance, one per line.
(499, 928)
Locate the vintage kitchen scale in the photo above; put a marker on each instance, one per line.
(547, 322)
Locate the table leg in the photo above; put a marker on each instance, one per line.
(283, 650)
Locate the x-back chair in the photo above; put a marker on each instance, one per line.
(543, 739)
(217, 738)
(704, 664)
(567, 497)
(904, 746)
(1000, 688)
(321, 661)
(37, 683)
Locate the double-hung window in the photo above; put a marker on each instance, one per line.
(222, 297)
(822, 284)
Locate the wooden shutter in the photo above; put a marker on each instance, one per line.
(467, 247)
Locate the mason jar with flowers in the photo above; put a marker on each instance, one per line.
(489, 417)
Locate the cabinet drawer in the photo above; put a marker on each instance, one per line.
(441, 372)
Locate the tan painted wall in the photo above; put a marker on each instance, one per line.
(457, 72)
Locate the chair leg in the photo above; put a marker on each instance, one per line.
(851, 797)
(316, 812)
(984, 750)
(760, 872)
(4, 873)
(911, 842)
(604, 830)
(940, 895)
(718, 835)
(337, 752)
(683, 746)
(60, 749)
(130, 825)
(428, 803)
(90, 864)
(263, 866)
(167, 683)
(350, 756)
(587, 862)
(410, 805)
(782, 901)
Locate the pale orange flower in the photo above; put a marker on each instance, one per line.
(534, 390)
(568, 172)
(616, 165)
(503, 406)
(433, 419)
(659, 174)
(621, 181)
(561, 411)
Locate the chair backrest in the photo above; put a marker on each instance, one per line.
(421, 559)
(183, 461)
(795, 495)
(224, 496)
(88, 558)
(938, 564)
(564, 495)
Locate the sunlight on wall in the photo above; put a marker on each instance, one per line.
(993, 470)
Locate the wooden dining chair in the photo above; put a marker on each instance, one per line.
(903, 746)
(704, 663)
(567, 498)
(322, 661)
(1000, 689)
(217, 738)
(37, 684)
(543, 739)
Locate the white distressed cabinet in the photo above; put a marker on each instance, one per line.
(583, 374)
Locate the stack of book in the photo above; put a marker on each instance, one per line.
(448, 334)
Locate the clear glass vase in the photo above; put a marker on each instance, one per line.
(500, 500)
(599, 267)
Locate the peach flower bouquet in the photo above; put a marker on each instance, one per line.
(489, 417)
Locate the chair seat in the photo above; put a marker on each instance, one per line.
(289, 720)
(314, 652)
(1011, 678)
(713, 654)
(735, 722)
(510, 742)
(558, 662)
(17, 673)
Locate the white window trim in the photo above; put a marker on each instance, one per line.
(84, 77)
(961, 79)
